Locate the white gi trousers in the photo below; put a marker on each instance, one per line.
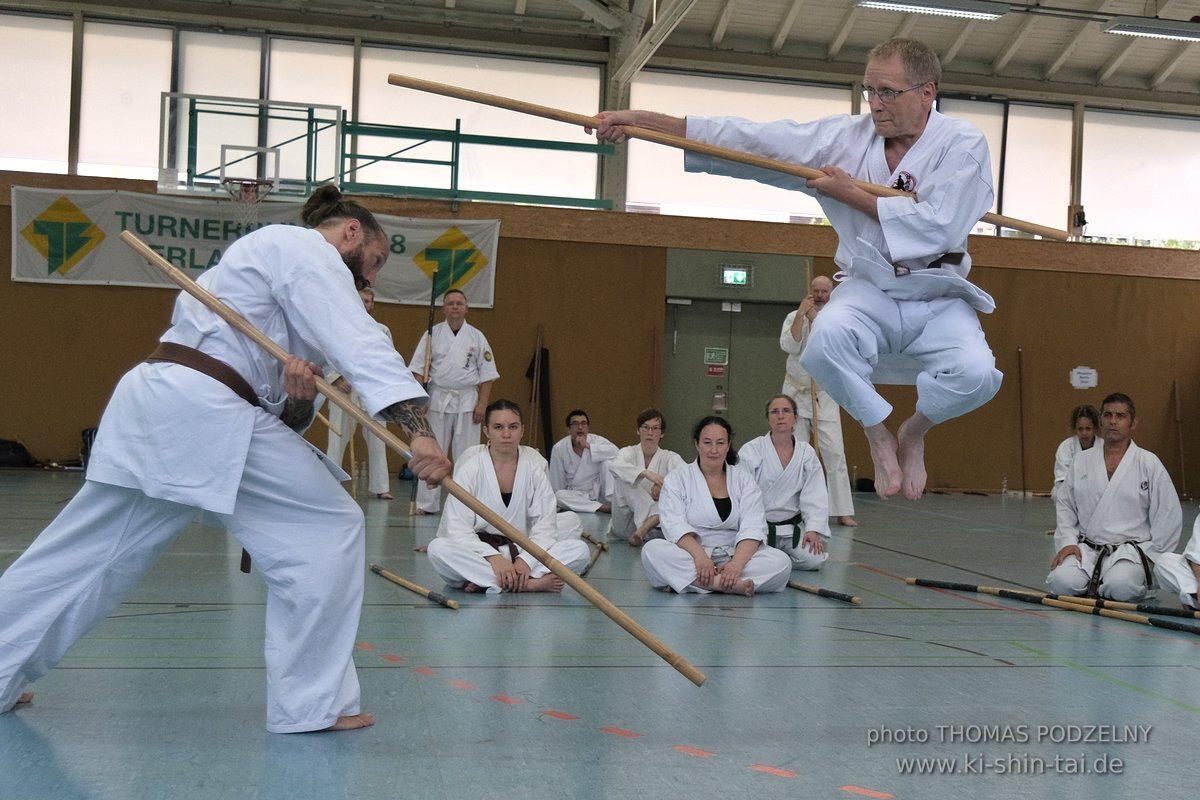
(833, 458)
(668, 564)
(341, 428)
(459, 565)
(860, 322)
(1122, 576)
(1174, 573)
(802, 558)
(305, 534)
(455, 432)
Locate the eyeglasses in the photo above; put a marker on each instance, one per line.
(887, 95)
(577, 423)
(649, 429)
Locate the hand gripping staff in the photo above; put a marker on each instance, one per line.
(343, 401)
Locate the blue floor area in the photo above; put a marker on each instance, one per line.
(917, 693)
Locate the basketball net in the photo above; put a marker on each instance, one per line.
(247, 194)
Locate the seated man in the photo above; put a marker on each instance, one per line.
(578, 472)
(1181, 572)
(792, 483)
(1118, 513)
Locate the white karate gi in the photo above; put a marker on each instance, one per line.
(461, 362)
(797, 384)
(798, 488)
(1063, 457)
(460, 557)
(342, 427)
(567, 523)
(581, 483)
(173, 440)
(875, 316)
(632, 502)
(1139, 504)
(1173, 571)
(686, 506)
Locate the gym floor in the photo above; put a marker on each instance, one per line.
(917, 693)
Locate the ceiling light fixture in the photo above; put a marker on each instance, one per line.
(963, 9)
(1154, 28)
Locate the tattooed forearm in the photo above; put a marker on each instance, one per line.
(296, 414)
(410, 415)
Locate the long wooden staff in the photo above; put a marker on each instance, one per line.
(536, 391)
(1054, 602)
(682, 143)
(412, 498)
(817, 590)
(436, 597)
(1146, 608)
(391, 440)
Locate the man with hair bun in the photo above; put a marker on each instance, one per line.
(904, 311)
(212, 422)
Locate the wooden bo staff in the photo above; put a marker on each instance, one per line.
(436, 597)
(412, 499)
(1099, 602)
(587, 537)
(845, 598)
(595, 554)
(670, 140)
(338, 398)
(1052, 601)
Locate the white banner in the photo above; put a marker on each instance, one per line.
(71, 237)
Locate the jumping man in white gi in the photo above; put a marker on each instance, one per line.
(211, 421)
(904, 296)
(1118, 514)
(460, 382)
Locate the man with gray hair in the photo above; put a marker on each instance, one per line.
(904, 311)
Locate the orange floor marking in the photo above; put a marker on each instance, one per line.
(867, 792)
(781, 773)
(692, 751)
(512, 701)
(560, 715)
(621, 732)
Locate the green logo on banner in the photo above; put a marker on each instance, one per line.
(63, 235)
(454, 256)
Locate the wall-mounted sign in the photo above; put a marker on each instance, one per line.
(716, 355)
(1085, 378)
(737, 276)
(716, 370)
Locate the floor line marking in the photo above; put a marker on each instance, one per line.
(866, 792)
(780, 773)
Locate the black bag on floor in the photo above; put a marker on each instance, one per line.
(14, 454)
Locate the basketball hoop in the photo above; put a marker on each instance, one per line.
(247, 194)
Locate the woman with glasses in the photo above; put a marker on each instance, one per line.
(638, 472)
(714, 529)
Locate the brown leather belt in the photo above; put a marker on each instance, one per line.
(217, 370)
(202, 362)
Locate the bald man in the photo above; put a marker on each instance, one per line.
(799, 385)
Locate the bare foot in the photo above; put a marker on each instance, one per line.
(639, 536)
(883, 453)
(746, 587)
(605, 508)
(419, 512)
(384, 496)
(421, 548)
(912, 454)
(547, 583)
(471, 588)
(352, 722)
(26, 697)
(847, 522)
(637, 539)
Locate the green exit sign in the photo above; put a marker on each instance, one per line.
(734, 275)
(716, 355)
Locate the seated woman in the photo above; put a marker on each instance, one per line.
(792, 482)
(711, 515)
(471, 554)
(1085, 422)
(638, 472)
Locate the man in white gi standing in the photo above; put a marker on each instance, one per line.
(460, 383)
(800, 386)
(904, 296)
(211, 421)
(1118, 513)
(579, 467)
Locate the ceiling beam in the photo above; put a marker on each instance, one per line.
(599, 12)
(722, 24)
(1014, 43)
(1169, 65)
(839, 38)
(669, 15)
(959, 41)
(785, 26)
